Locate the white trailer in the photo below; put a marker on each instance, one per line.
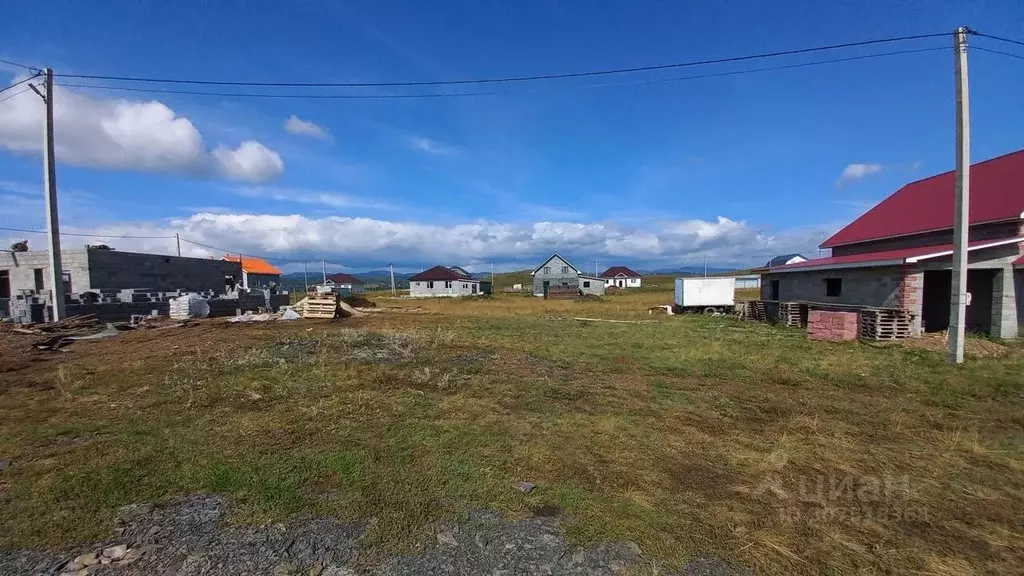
(707, 295)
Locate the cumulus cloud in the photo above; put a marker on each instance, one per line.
(300, 127)
(121, 134)
(369, 242)
(854, 172)
(250, 162)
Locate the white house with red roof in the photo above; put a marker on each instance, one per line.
(443, 281)
(621, 277)
(899, 254)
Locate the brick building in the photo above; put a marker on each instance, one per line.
(95, 269)
(899, 254)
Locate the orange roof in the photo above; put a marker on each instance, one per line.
(253, 265)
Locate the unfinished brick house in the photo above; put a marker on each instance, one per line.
(899, 254)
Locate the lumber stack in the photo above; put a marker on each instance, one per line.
(878, 324)
(320, 306)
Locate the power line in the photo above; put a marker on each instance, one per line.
(507, 92)
(86, 235)
(231, 252)
(1017, 42)
(25, 66)
(505, 79)
(19, 83)
(1017, 56)
(19, 92)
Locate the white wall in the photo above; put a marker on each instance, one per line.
(443, 288)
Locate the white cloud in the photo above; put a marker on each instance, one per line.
(300, 127)
(428, 146)
(250, 162)
(307, 196)
(856, 172)
(368, 242)
(121, 134)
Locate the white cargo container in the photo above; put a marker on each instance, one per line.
(705, 294)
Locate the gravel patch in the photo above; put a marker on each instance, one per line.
(190, 538)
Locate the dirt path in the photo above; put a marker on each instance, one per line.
(190, 538)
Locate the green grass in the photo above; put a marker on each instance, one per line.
(689, 435)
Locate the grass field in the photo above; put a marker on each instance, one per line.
(686, 434)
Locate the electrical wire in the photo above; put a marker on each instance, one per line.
(25, 66)
(234, 252)
(20, 82)
(87, 235)
(1017, 42)
(18, 93)
(1017, 56)
(505, 79)
(506, 92)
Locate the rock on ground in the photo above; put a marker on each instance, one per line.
(188, 538)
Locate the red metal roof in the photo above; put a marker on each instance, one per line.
(342, 278)
(997, 194)
(436, 273)
(886, 257)
(616, 270)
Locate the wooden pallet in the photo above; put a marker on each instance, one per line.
(321, 306)
(885, 324)
(753, 310)
(792, 314)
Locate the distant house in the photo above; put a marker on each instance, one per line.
(257, 273)
(461, 271)
(343, 282)
(785, 259)
(557, 274)
(442, 281)
(621, 277)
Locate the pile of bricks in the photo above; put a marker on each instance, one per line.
(831, 326)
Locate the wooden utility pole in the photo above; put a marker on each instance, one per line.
(961, 199)
(50, 185)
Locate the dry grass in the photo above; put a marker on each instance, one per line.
(689, 435)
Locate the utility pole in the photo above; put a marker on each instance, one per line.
(177, 240)
(305, 275)
(705, 265)
(323, 262)
(492, 274)
(50, 184)
(392, 268)
(961, 198)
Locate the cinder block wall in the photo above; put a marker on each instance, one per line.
(879, 287)
(21, 267)
(119, 270)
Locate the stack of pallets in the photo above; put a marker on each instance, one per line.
(753, 310)
(792, 314)
(885, 324)
(320, 306)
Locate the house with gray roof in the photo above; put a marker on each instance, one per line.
(556, 274)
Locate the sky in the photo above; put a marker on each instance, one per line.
(634, 169)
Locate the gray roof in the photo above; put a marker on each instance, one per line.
(781, 260)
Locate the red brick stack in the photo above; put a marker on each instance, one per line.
(831, 326)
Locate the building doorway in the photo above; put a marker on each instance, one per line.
(5, 284)
(938, 291)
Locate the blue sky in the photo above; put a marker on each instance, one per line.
(652, 175)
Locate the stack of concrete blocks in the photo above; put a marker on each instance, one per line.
(28, 307)
(832, 326)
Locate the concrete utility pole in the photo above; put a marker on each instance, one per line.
(50, 185)
(962, 197)
(305, 275)
(323, 262)
(177, 240)
(392, 268)
(705, 265)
